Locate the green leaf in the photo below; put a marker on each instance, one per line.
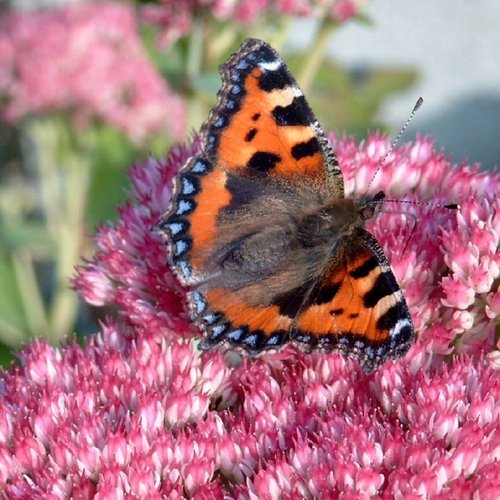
(26, 234)
(348, 100)
(12, 319)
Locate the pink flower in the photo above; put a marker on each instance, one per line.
(342, 10)
(447, 261)
(86, 59)
(176, 18)
(138, 411)
(407, 428)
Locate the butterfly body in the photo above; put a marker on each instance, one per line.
(261, 232)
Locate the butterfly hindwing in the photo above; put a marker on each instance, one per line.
(358, 308)
(225, 319)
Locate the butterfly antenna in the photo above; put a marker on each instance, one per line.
(382, 161)
(380, 198)
(451, 206)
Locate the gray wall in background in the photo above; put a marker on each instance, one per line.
(455, 46)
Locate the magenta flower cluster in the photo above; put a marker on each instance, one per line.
(447, 261)
(87, 60)
(177, 17)
(138, 412)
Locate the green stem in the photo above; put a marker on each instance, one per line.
(195, 51)
(71, 231)
(29, 291)
(64, 171)
(43, 135)
(194, 63)
(316, 55)
(44, 132)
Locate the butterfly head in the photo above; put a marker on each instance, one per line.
(368, 206)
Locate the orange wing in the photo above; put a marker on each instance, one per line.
(262, 123)
(261, 128)
(358, 309)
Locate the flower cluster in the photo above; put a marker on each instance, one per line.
(447, 261)
(139, 412)
(176, 18)
(133, 416)
(86, 59)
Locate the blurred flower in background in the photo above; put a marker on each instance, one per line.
(75, 85)
(88, 61)
(177, 19)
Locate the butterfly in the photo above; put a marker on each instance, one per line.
(261, 233)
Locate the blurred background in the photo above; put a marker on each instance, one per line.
(89, 88)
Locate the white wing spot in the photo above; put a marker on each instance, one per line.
(270, 65)
(402, 323)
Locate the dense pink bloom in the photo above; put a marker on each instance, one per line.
(176, 17)
(447, 261)
(138, 411)
(130, 414)
(86, 59)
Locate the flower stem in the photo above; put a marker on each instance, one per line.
(316, 54)
(29, 292)
(63, 161)
(195, 50)
(44, 134)
(70, 242)
(193, 71)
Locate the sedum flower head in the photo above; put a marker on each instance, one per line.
(177, 18)
(138, 412)
(85, 59)
(447, 261)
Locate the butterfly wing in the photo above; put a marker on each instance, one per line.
(262, 123)
(260, 129)
(264, 158)
(357, 308)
